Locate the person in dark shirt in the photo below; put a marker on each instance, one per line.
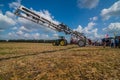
(119, 43)
(112, 43)
(104, 43)
(116, 43)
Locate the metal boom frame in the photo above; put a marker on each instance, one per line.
(37, 18)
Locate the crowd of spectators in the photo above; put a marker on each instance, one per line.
(112, 42)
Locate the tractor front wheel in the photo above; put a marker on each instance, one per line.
(63, 42)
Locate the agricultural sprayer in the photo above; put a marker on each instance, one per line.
(77, 37)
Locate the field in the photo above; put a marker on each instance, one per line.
(38, 61)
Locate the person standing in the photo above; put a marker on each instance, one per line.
(104, 43)
(119, 42)
(116, 42)
(112, 43)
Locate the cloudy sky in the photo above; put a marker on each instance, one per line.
(94, 18)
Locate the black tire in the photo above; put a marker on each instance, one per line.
(63, 42)
(55, 43)
(81, 43)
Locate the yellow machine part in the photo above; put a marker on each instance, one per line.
(62, 43)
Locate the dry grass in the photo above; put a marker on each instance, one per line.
(35, 61)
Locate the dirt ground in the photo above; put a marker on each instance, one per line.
(36, 61)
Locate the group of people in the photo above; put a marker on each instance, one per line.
(113, 43)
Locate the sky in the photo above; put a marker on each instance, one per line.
(94, 18)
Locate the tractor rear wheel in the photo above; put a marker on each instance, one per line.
(81, 43)
(55, 43)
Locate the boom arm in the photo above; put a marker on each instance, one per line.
(32, 16)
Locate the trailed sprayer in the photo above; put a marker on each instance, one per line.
(76, 37)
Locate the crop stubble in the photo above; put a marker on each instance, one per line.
(36, 61)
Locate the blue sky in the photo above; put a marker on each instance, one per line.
(94, 18)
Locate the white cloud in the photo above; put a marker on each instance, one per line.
(28, 29)
(20, 33)
(113, 28)
(12, 35)
(31, 26)
(28, 24)
(47, 15)
(95, 18)
(5, 21)
(113, 11)
(36, 36)
(89, 27)
(89, 31)
(10, 15)
(23, 35)
(79, 29)
(55, 35)
(14, 28)
(20, 28)
(0, 12)
(45, 36)
(27, 36)
(87, 3)
(15, 4)
(1, 30)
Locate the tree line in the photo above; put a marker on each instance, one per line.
(29, 41)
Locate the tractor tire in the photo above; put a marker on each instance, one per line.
(81, 43)
(55, 43)
(63, 42)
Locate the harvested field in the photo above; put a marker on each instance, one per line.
(36, 61)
